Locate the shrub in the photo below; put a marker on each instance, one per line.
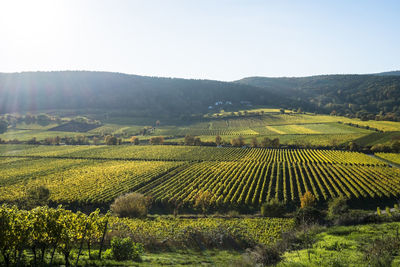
(124, 249)
(378, 211)
(265, 255)
(203, 201)
(233, 214)
(110, 140)
(135, 140)
(382, 251)
(133, 205)
(337, 207)
(273, 208)
(388, 213)
(36, 196)
(157, 140)
(354, 217)
(307, 200)
(308, 215)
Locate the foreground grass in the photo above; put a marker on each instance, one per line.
(342, 246)
(170, 258)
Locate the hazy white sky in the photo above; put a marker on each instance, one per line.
(212, 39)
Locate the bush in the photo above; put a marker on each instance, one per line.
(132, 205)
(308, 215)
(273, 208)
(36, 196)
(308, 200)
(110, 140)
(265, 255)
(123, 249)
(382, 251)
(388, 213)
(203, 201)
(337, 207)
(354, 217)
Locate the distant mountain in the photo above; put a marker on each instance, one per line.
(363, 96)
(35, 91)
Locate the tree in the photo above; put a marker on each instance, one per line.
(3, 126)
(218, 140)
(32, 141)
(189, 140)
(275, 143)
(282, 111)
(96, 140)
(197, 141)
(353, 146)
(273, 208)
(134, 140)
(307, 200)
(266, 142)
(157, 140)
(337, 207)
(57, 140)
(254, 142)
(396, 146)
(37, 196)
(203, 201)
(110, 140)
(81, 140)
(132, 205)
(238, 142)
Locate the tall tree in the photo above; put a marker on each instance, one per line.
(218, 140)
(3, 126)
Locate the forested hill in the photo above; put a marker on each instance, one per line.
(389, 73)
(364, 96)
(32, 91)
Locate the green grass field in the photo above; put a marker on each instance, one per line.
(341, 246)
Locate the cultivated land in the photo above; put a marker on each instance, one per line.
(312, 157)
(237, 178)
(302, 130)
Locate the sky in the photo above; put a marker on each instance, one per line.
(205, 39)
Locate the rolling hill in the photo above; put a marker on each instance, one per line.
(363, 96)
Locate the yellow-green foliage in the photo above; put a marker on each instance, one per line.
(261, 230)
(234, 176)
(393, 157)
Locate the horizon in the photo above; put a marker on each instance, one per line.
(152, 76)
(225, 40)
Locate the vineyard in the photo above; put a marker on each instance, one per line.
(393, 157)
(189, 153)
(236, 177)
(50, 233)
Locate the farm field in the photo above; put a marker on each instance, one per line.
(307, 130)
(236, 177)
(393, 157)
